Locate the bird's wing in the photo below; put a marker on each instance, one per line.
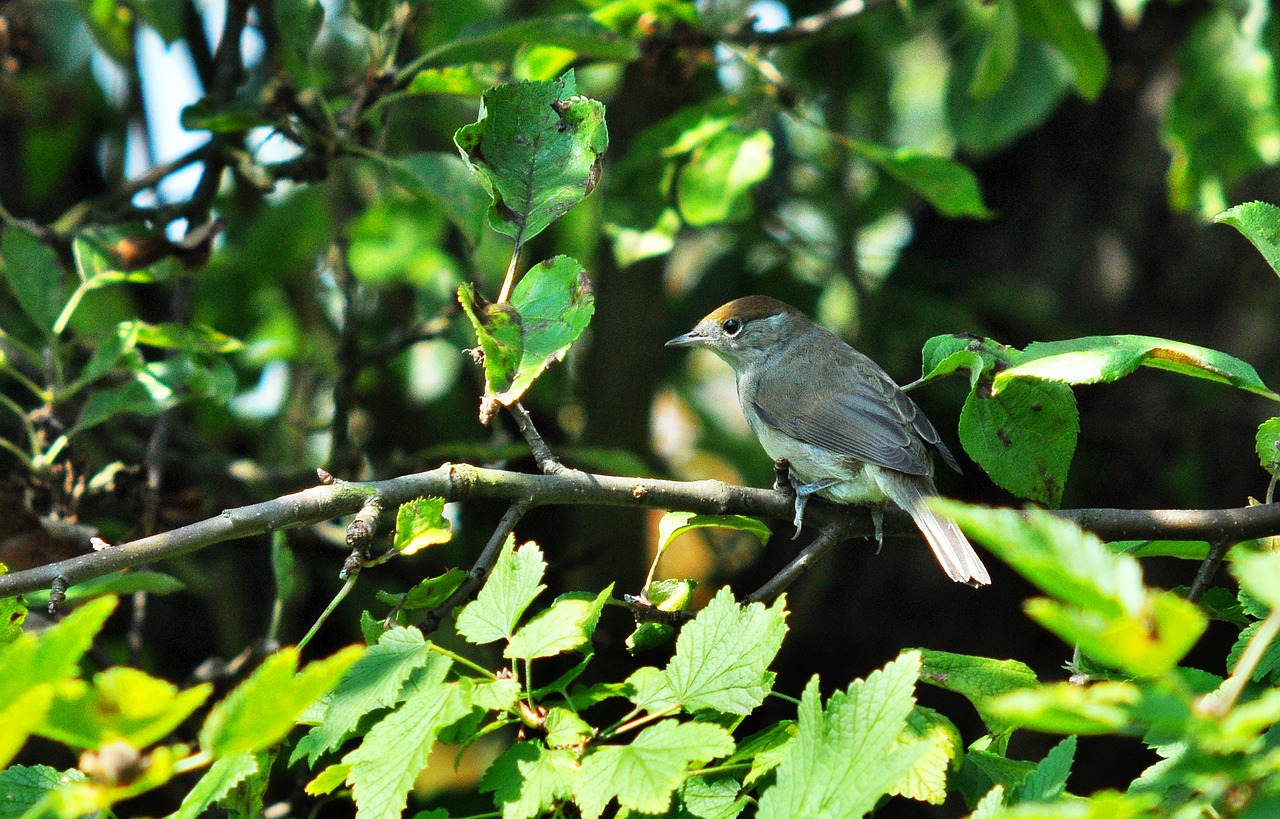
(871, 420)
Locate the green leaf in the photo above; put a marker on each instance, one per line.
(1066, 708)
(467, 79)
(944, 183)
(712, 796)
(926, 781)
(1259, 574)
(1049, 780)
(262, 709)
(1148, 644)
(146, 580)
(715, 184)
(723, 655)
(576, 32)
(565, 729)
(1055, 555)
(516, 579)
(1037, 83)
(1268, 444)
(35, 277)
(846, 756)
(447, 182)
(122, 704)
(643, 775)
(537, 148)
(1260, 224)
(674, 524)
(25, 786)
(497, 328)
(144, 394)
(566, 625)
(999, 50)
(763, 750)
(420, 523)
(528, 779)
(55, 655)
(217, 782)
(13, 613)
(1103, 359)
(395, 750)
(555, 303)
(1023, 437)
(977, 679)
(299, 23)
(374, 681)
(1222, 122)
(433, 591)
(1059, 25)
(20, 716)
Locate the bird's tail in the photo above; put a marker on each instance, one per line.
(950, 546)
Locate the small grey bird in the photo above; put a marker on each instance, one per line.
(848, 432)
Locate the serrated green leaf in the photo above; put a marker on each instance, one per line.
(1059, 25)
(977, 679)
(515, 580)
(262, 709)
(846, 756)
(566, 625)
(122, 704)
(421, 523)
(763, 750)
(374, 681)
(723, 655)
(926, 781)
(35, 277)
(25, 786)
(643, 775)
(565, 729)
(217, 782)
(715, 184)
(1267, 444)
(1268, 664)
(395, 750)
(944, 183)
(1066, 708)
(555, 303)
(328, 780)
(1023, 437)
(1260, 224)
(1103, 359)
(528, 779)
(537, 148)
(1049, 779)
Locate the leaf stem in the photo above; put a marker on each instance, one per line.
(639, 721)
(460, 660)
(333, 604)
(1248, 662)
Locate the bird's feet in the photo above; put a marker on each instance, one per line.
(803, 491)
(782, 476)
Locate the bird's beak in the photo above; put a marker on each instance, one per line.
(690, 339)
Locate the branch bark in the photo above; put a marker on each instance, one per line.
(459, 482)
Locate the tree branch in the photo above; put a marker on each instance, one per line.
(460, 482)
(806, 27)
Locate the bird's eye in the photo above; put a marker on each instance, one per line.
(731, 327)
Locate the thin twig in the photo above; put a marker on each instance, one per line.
(483, 565)
(542, 454)
(1208, 568)
(827, 538)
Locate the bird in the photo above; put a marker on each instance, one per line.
(846, 430)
